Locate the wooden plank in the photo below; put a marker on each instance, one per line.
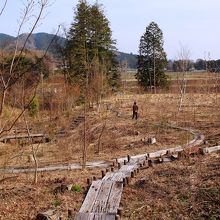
(109, 176)
(127, 169)
(102, 197)
(118, 176)
(91, 196)
(102, 216)
(83, 216)
(95, 216)
(211, 149)
(115, 197)
(20, 136)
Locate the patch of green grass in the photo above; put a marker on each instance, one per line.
(57, 203)
(76, 188)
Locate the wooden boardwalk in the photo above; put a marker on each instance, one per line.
(103, 198)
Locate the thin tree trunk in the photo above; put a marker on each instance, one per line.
(84, 140)
(100, 136)
(2, 101)
(154, 75)
(150, 84)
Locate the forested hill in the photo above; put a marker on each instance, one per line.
(128, 59)
(40, 41)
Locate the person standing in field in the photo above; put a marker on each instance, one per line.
(135, 111)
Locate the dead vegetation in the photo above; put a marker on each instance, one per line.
(187, 189)
(27, 200)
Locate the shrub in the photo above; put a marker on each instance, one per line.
(76, 188)
(34, 107)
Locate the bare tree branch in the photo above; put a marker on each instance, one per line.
(43, 4)
(3, 8)
(21, 113)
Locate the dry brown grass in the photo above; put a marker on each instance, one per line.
(186, 189)
(22, 200)
(167, 188)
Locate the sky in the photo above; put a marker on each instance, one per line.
(189, 24)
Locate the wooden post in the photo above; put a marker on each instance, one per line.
(168, 153)
(201, 151)
(132, 174)
(125, 162)
(117, 217)
(107, 170)
(112, 169)
(150, 163)
(119, 165)
(103, 173)
(113, 164)
(88, 181)
(127, 180)
(180, 154)
(94, 178)
(129, 158)
(70, 214)
(119, 212)
(124, 182)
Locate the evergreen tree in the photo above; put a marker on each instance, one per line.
(90, 48)
(152, 58)
(77, 48)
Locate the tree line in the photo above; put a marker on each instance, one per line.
(90, 61)
(198, 65)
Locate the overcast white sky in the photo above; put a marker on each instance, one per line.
(192, 23)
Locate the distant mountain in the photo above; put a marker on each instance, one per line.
(6, 40)
(41, 41)
(38, 41)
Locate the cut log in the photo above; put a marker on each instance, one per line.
(209, 150)
(48, 215)
(151, 140)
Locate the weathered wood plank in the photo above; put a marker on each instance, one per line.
(211, 149)
(95, 216)
(115, 197)
(127, 169)
(107, 198)
(118, 176)
(91, 197)
(102, 197)
(21, 136)
(109, 176)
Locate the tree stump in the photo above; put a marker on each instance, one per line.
(48, 215)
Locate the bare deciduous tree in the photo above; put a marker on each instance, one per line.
(12, 76)
(3, 7)
(183, 55)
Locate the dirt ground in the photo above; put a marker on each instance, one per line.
(186, 189)
(23, 200)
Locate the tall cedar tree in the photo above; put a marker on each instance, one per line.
(90, 49)
(152, 58)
